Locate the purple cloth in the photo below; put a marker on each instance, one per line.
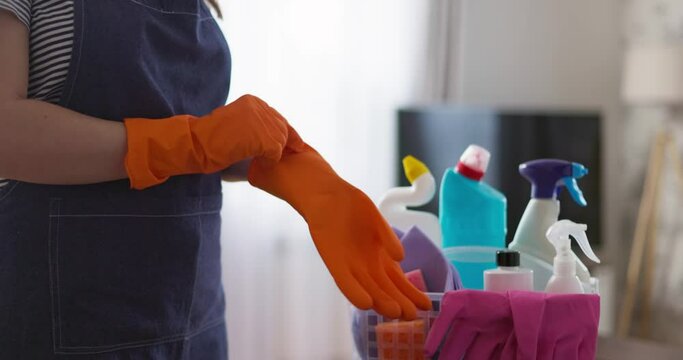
(422, 254)
(517, 325)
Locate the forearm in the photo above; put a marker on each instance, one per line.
(302, 179)
(237, 172)
(47, 144)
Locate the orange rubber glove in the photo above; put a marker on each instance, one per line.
(357, 245)
(184, 144)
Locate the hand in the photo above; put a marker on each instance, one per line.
(357, 245)
(184, 144)
(361, 252)
(245, 128)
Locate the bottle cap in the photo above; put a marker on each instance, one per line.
(507, 258)
(414, 168)
(474, 162)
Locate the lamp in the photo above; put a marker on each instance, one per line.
(652, 76)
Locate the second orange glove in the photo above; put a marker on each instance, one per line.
(357, 245)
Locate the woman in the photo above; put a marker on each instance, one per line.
(115, 136)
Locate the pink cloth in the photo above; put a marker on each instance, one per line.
(517, 325)
(415, 277)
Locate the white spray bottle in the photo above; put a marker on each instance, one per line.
(564, 279)
(548, 177)
(393, 205)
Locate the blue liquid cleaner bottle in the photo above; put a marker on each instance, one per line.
(472, 217)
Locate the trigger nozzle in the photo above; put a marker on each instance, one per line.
(559, 234)
(574, 190)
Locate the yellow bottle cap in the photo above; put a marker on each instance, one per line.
(414, 168)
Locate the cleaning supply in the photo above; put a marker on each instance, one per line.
(415, 277)
(355, 242)
(472, 216)
(421, 254)
(185, 144)
(395, 202)
(564, 279)
(472, 325)
(556, 326)
(515, 325)
(438, 274)
(508, 276)
(401, 340)
(547, 177)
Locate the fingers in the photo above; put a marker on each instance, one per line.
(352, 289)
(408, 309)
(293, 141)
(527, 311)
(280, 122)
(566, 348)
(456, 342)
(510, 350)
(273, 125)
(587, 348)
(451, 307)
(486, 346)
(417, 297)
(274, 148)
(381, 301)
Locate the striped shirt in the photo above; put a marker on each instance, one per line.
(51, 36)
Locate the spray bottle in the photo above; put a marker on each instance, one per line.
(393, 205)
(547, 178)
(564, 279)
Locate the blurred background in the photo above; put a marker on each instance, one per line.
(594, 81)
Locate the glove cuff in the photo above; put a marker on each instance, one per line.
(159, 149)
(302, 179)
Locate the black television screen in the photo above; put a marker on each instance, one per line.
(438, 135)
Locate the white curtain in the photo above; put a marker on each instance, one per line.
(444, 41)
(338, 70)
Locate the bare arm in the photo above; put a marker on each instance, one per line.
(45, 143)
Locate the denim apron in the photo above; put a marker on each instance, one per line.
(102, 271)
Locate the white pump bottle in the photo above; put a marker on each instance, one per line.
(564, 279)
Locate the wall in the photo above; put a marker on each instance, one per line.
(657, 22)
